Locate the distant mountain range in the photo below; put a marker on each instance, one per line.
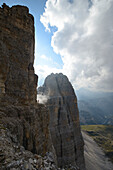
(95, 107)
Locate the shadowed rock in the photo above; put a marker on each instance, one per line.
(64, 120)
(23, 122)
(17, 78)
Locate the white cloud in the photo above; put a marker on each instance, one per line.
(42, 98)
(45, 57)
(84, 39)
(44, 70)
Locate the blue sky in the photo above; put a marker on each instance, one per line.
(78, 40)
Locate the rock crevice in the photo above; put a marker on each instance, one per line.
(64, 120)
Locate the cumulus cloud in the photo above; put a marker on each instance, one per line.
(42, 98)
(84, 39)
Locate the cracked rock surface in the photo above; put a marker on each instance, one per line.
(64, 120)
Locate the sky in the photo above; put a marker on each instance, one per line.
(74, 37)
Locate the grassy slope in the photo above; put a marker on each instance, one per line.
(103, 135)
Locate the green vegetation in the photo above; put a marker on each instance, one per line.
(103, 135)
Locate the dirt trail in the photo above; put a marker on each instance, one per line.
(94, 156)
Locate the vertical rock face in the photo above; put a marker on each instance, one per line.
(22, 120)
(17, 78)
(64, 120)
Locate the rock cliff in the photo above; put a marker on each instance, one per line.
(25, 138)
(17, 78)
(64, 120)
(23, 122)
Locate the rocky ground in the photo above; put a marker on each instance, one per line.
(13, 156)
(95, 158)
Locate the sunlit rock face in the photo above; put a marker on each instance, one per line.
(64, 120)
(23, 122)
